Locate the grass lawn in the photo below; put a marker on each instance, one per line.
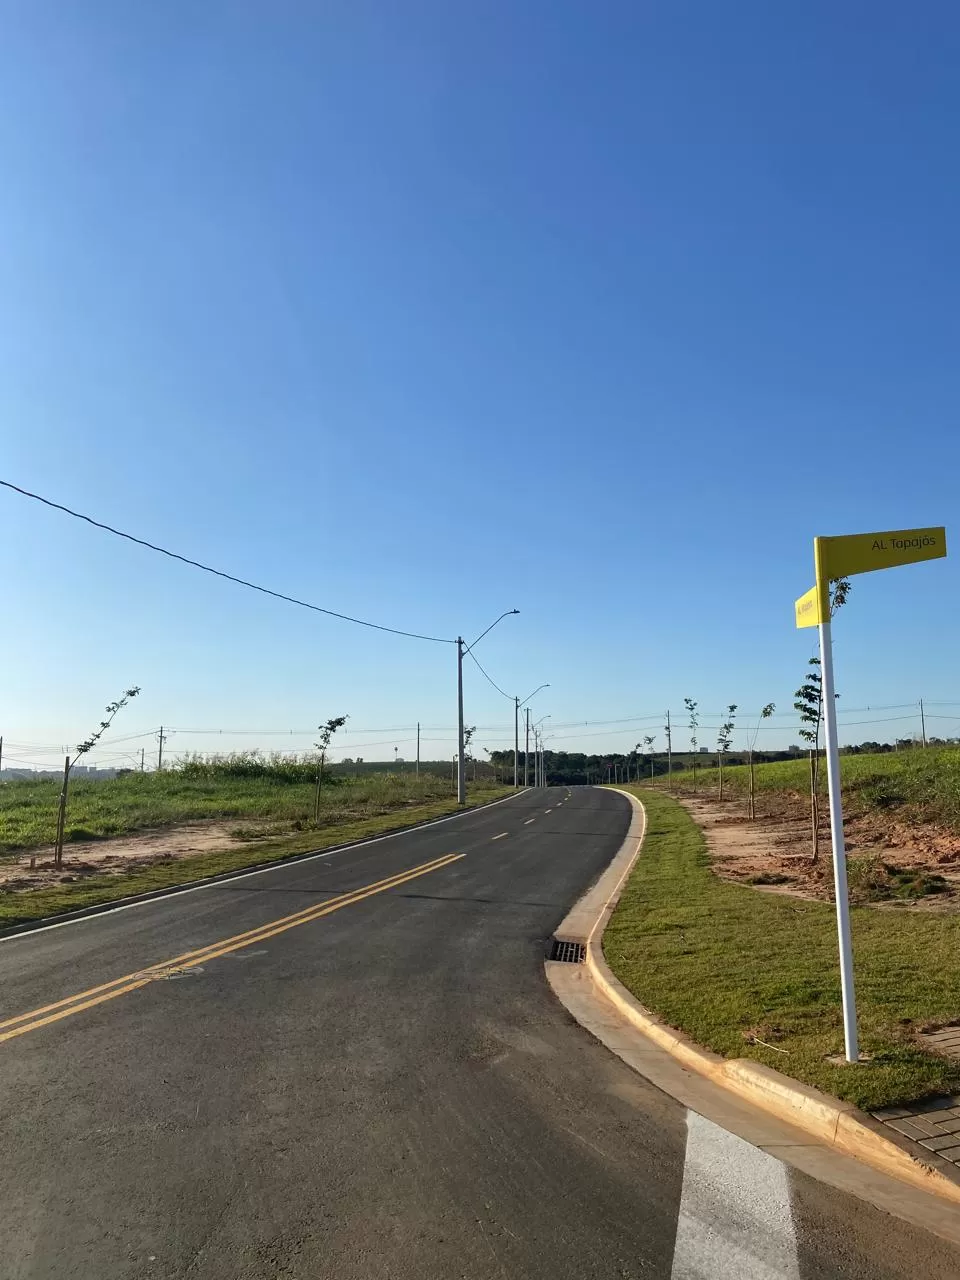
(721, 961)
(268, 796)
(921, 785)
(349, 811)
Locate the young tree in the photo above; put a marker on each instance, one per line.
(647, 749)
(809, 703)
(724, 738)
(765, 714)
(326, 735)
(694, 720)
(82, 748)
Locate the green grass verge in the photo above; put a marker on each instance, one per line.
(919, 785)
(163, 874)
(144, 801)
(716, 960)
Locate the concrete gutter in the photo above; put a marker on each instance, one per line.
(837, 1125)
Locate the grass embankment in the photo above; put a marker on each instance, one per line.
(922, 785)
(276, 814)
(728, 965)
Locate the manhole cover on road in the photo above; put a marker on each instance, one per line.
(568, 952)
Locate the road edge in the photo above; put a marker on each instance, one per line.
(61, 918)
(837, 1125)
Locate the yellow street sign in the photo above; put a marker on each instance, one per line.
(865, 552)
(808, 608)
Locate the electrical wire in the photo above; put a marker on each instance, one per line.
(488, 678)
(219, 573)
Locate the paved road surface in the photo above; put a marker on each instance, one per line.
(383, 1086)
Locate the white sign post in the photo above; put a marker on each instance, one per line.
(836, 558)
(841, 895)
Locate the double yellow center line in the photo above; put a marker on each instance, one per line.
(70, 1005)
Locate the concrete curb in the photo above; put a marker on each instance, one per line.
(836, 1124)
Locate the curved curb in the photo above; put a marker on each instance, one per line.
(837, 1124)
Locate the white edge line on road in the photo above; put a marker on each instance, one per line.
(500, 836)
(176, 892)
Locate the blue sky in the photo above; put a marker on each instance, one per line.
(427, 311)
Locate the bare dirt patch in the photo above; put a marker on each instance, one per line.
(891, 864)
(117, 856)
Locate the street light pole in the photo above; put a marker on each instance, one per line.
(539, 762)
(526, 754)
(461, 773)
(517, 704)
(516, 741)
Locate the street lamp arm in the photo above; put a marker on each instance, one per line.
(461, 772)
(533, 695)
(490, 628)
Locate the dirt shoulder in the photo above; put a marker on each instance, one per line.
(116, 857)
(890, 863)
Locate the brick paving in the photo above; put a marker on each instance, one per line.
(933, 1123)
(947, 1041)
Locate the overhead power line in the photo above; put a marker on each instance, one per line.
(488, 678)
(219, 573)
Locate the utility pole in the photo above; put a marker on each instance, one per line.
(461, 772)
(669, 752)
(516, 742)
(923, 728)
(1, 757)
(142, 758)
(418, 748)
(163, 737)
(526, 754)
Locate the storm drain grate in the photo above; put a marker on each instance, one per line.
(568, 952)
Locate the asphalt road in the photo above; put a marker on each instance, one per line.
(381, 1086)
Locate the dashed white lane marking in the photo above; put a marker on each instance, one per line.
(735, 1217)
(528, 821)
(500, 836)
(548, 811)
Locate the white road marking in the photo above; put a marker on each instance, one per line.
(735, 1217)
(548, 811)
(500, 836)
(528, 821)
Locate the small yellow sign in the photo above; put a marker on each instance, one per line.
(808, 608)
(865, 552)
